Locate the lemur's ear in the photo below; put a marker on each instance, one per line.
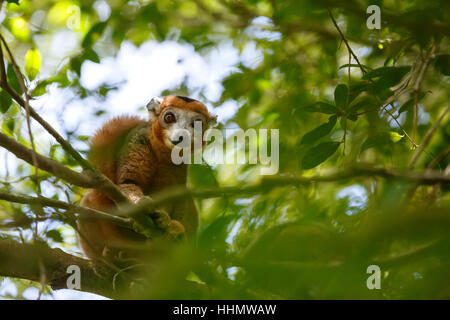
(153, 106)
(212, 121)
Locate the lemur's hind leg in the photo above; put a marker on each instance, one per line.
(102, 238)
(92, 232)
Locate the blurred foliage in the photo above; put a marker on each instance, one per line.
(299, 242)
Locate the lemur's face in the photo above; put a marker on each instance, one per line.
(179, 126)
(178, 120)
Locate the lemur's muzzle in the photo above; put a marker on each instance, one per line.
(176, 141)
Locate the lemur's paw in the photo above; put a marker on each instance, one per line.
(106, 252)
(112, 255)
(161, 219)
(124, 257)
(176, 231)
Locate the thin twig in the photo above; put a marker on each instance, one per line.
(428, 137)
(417, 84)
(400, 126)
(348, 100)
(46, 202)
(415, 116)
(346, 43)
(441, 156)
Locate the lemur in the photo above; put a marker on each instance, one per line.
(136, 155)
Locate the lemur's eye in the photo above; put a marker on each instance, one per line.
(169, 117)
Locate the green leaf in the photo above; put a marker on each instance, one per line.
(321, 107)
(238, 84)
(387, 72)
(41, 87)
(410, 103)
(357, 88)
(406, 106)
(55, 235)
(90, 54)
(12, 79)
(340, 96)
(215, 233)
(319, 154)
(75, 64)
(93, 35)
(320, 131)
(354, 65)
(9, 126)
(367, 103)
(83, 138)
(32, 63)
(394, 50)
(203, 176)
(442, 63)
(5, 101)
(387, 77)
(379, 139)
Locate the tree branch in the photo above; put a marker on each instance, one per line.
(22, 261)
(139, 224)
(46, 202)
(270, 182)
(46, 164)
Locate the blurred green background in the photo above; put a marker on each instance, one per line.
(257, 64)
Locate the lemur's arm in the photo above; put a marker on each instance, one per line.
(132, 191)
(135, 169)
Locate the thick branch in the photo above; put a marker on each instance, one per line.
(22, 261)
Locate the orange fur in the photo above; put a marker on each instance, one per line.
(131, 152)
(194, 105)
(104, 143)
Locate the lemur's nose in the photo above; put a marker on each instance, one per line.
(175, 141)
